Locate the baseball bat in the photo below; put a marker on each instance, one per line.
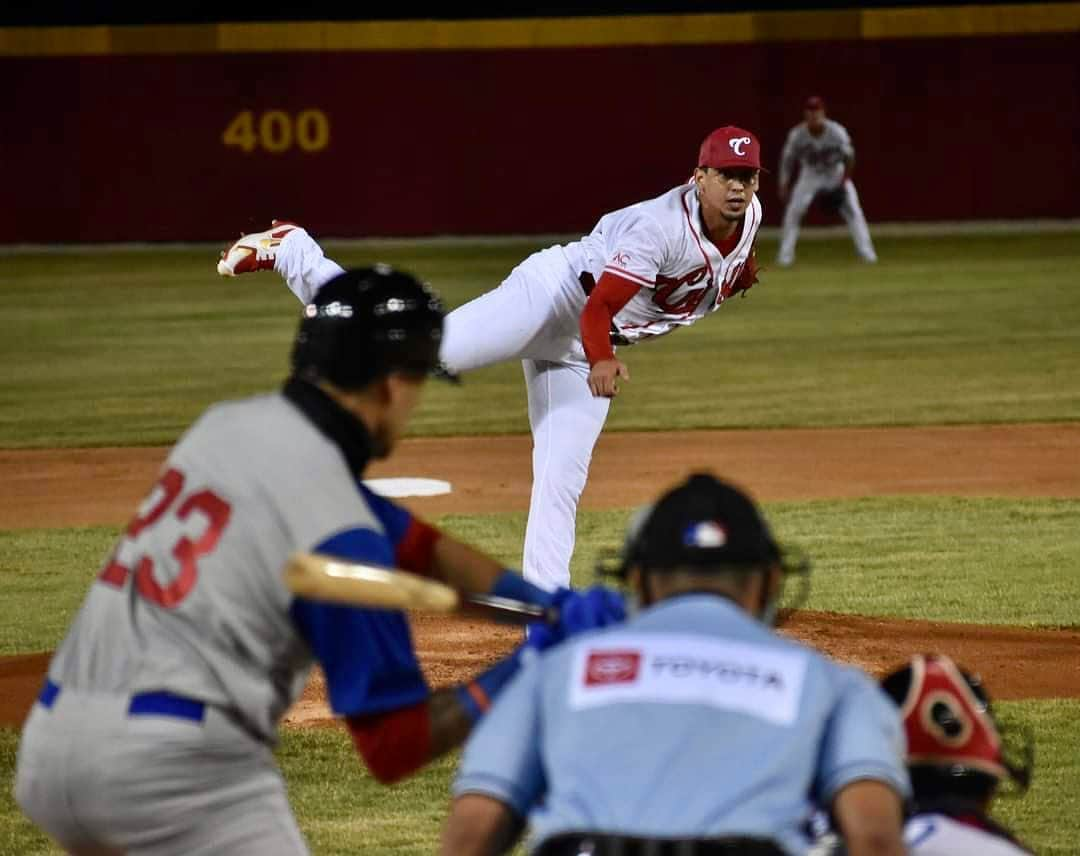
(326, 578)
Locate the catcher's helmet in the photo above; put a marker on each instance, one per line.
(955, 745)
(368, 322)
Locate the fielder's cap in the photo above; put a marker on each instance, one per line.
(703, 521)
(814, 102)
(730, 147)
(368, 322)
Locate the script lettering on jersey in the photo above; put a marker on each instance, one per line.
(678, 295)
(763, 681)
(731, 277)
(204, 506)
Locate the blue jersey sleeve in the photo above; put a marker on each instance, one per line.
(864, 739)
(502, 757)
(394, 518)
(366, 654)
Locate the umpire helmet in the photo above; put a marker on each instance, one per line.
(706, 523)
(366, 323)
(955, 744)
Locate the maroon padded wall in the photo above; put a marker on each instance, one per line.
(116, 148)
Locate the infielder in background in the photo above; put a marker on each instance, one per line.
(153, 732)
(822, 149)
(956, 758)
(642, 272)
(693, 728)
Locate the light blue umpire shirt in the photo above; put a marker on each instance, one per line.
(693, 719)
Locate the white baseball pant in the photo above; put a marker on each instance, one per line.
(807, 186)
(104, 783)
(532, 316)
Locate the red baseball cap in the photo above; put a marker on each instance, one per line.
(730, 146)
(814, 102)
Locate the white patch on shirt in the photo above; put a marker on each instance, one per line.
(679, 669)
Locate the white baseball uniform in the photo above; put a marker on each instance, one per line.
(534, 316)
(153, 733)
(821, 159)
(933, 833)
(936, 834)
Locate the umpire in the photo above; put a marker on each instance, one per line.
(693, 728)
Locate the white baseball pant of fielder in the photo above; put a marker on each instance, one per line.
(821, 160)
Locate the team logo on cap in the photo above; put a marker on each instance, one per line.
(708, 534)
(737, 143)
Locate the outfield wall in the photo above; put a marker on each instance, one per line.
(195, 132)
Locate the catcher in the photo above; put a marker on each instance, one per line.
(693, 728)
(958, 758)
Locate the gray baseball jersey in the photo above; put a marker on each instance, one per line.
(193, 600)
(824, 154)
(691, 720)
(152, 733)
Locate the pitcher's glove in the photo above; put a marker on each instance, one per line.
(746, 278)
(831, 201)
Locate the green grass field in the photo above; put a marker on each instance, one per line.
(871, 557)
(127, 347)
(343, 811)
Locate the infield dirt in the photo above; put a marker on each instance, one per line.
(49, 488)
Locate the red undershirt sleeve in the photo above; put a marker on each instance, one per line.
(611, 294)
(416, 550)
(393, 744)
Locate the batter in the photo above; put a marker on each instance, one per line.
(153, 733)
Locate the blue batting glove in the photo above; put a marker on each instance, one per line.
(588, 610)
(540, 636)
(515, 587)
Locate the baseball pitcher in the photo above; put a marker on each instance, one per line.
(642, 272)
(153, 732)
(822, 150)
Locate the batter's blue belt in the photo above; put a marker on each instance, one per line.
(142, 704)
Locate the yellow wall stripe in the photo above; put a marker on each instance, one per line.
(922, 22)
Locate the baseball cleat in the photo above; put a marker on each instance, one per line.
(255, 251)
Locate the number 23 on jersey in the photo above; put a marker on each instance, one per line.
(199, 518)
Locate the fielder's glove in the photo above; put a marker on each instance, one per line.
(831, 201)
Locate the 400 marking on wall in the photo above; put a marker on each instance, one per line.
(276, 131)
